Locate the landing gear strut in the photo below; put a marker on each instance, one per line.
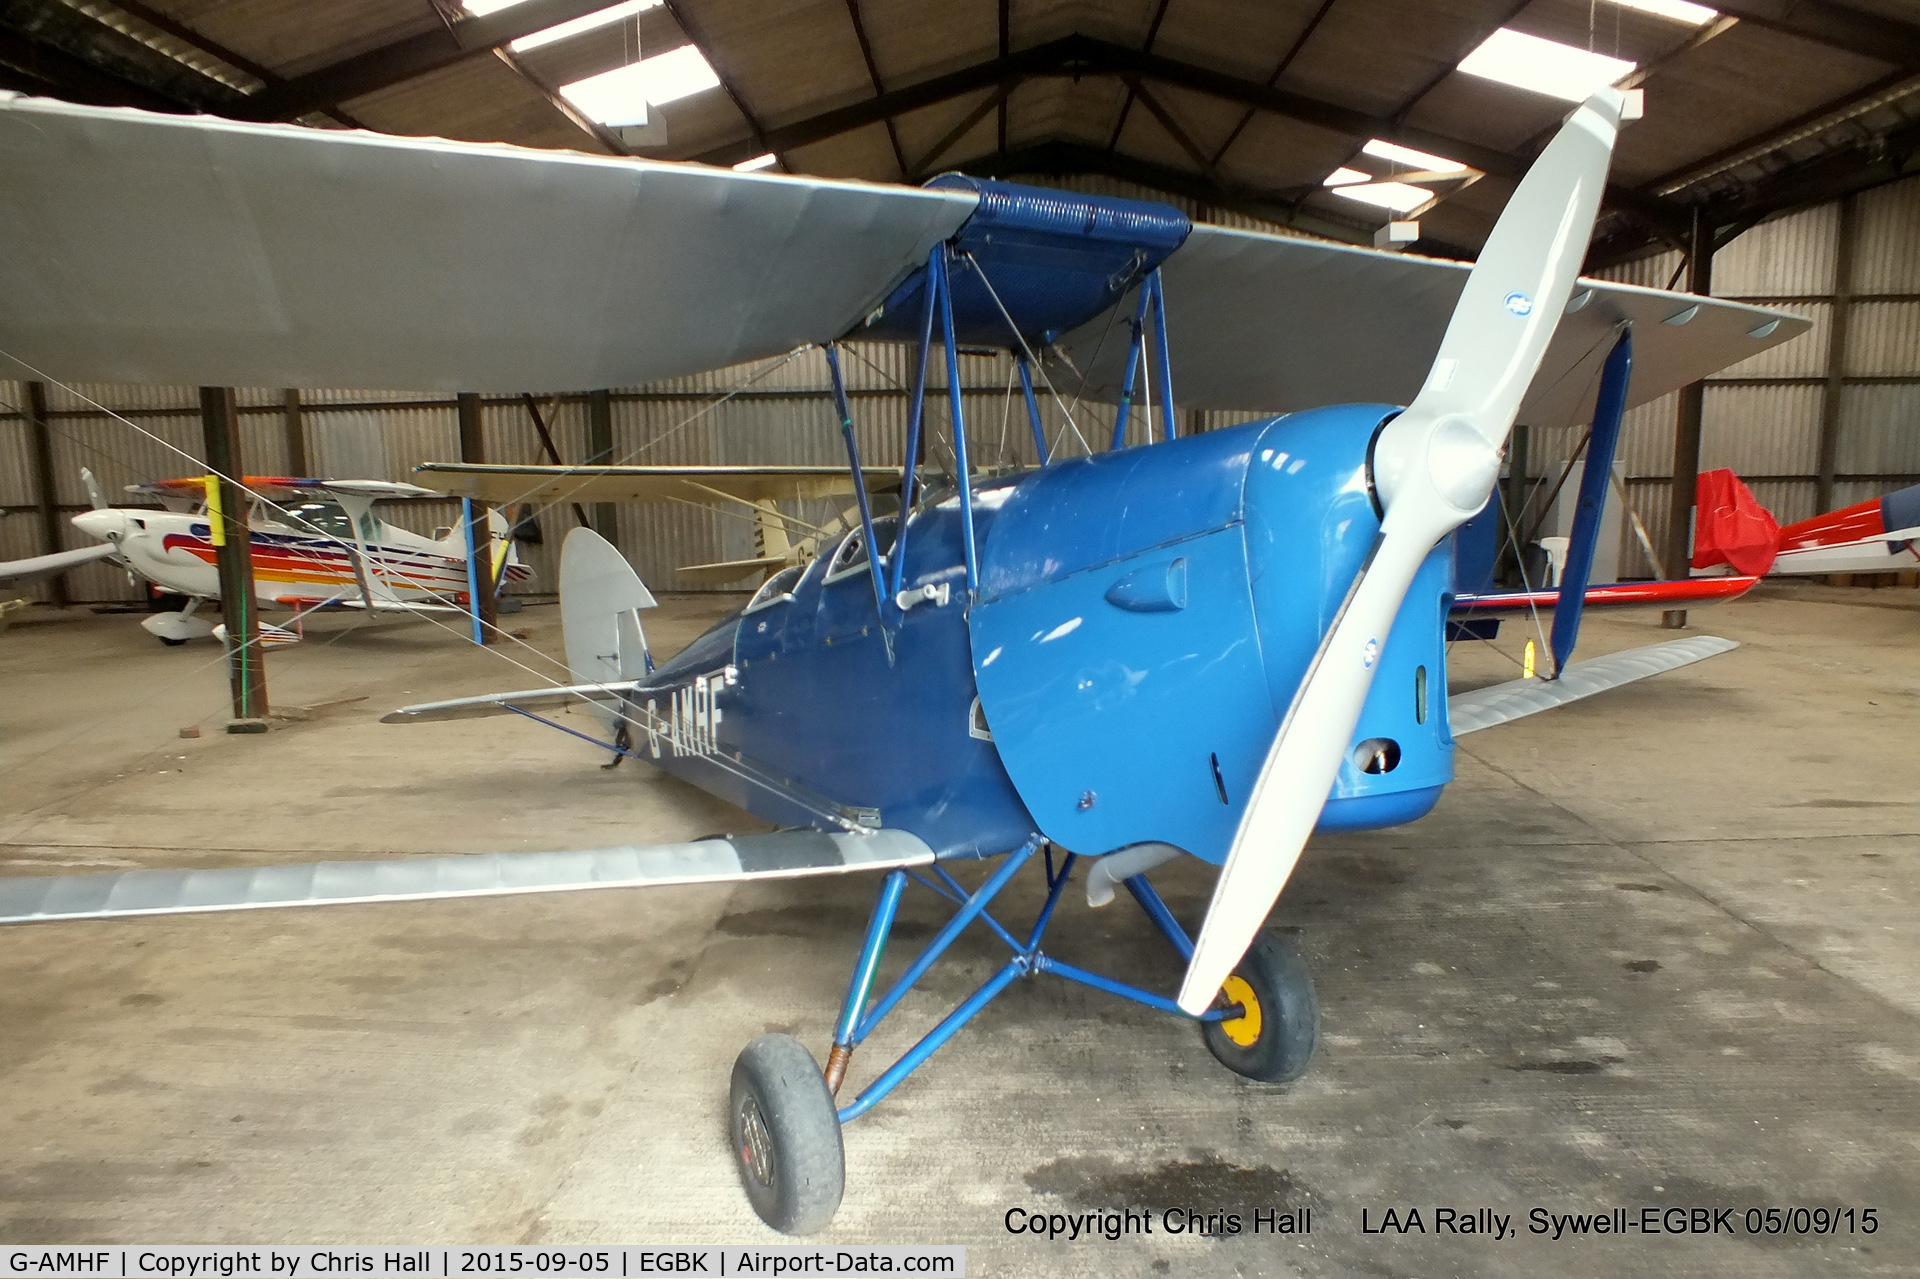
(622, 743)
(785, 1122)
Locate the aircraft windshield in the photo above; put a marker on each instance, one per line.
(319, 517)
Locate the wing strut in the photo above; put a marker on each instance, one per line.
(1603, 441)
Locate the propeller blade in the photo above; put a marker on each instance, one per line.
(1434, 466)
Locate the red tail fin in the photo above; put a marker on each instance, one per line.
(1731, 527)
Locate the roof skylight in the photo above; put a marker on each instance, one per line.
(621, 96)
(587, 22)
(1543, 66)
(1419, 160)
(1398, 196)
(1694, 15)
(581, 25)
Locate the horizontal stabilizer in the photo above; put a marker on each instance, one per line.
(1516, 699)
(532, 699)
(782, 854)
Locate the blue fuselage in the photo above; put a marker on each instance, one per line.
(1142, 622)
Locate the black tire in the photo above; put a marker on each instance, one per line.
(171, 643)
(786, 1135)
(1275, 1040)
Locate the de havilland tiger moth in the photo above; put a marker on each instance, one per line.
(1209, 647)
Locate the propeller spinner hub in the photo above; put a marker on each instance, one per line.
(105, 525)
(1461, 464)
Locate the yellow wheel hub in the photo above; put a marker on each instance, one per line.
(1243, 1030)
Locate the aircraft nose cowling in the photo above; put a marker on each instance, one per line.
(105, 526)
(1144, 617)
(1311, 524)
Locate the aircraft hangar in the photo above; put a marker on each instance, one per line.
(663, 268)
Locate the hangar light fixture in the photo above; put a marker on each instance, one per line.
(621, 96)
(758, 162)
(1343, 176)
(1694, 15)
(1542, 66)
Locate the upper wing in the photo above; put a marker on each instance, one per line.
(20, 572)
(194, 487)
(545, 485)
(1271, 323)
(183, 249)
(189, 250)
(780, 855)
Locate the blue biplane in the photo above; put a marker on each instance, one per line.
(1209, 647)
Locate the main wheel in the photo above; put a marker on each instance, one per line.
(786, 1135)
(171, 643)
(1274, 1037)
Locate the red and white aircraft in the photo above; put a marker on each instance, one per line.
(316, 543)
(1880, 535)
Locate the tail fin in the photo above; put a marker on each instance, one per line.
(1731, 527)
(600, 602)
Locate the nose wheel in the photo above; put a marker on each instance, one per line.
(1273, 1038)
(786, 1135)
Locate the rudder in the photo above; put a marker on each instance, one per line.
(600, 602)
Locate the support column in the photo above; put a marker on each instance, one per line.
(1836, 352)
(41, 442)
(600, 452)
(473, 448)
(227, 511)
(1686, 436)
(296, 433)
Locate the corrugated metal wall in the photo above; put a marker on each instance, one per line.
(1762, 417)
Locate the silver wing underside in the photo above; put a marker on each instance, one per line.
(189, 250)
(1277, 324)
(1516, 699)
(781, 855)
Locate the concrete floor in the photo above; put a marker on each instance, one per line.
(1658, 948)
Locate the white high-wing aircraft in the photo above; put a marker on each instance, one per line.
(315, 543)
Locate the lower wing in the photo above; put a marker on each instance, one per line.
(1516, 699)
(780, 855)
